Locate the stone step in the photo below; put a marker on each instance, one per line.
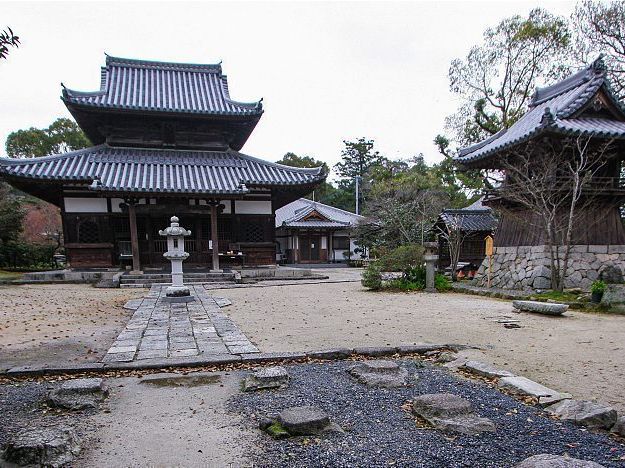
(147, 284)
(186, 275)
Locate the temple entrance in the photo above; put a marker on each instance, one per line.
(309, 247)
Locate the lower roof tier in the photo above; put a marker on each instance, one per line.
(135, 170)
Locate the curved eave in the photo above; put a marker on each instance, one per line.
(80, 105)
(477, 162)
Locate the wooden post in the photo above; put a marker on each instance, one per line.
(215, 237)
(489, 254)
(134, 239)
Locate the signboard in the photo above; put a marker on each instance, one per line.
(489, 246)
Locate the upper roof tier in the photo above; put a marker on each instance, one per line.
(582, 104)
(162, 87)
(304, 213)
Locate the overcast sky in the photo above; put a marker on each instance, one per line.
(327, 71)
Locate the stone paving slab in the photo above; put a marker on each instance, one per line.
(169, 331)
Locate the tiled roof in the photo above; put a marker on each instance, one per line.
(293, 214)
(165, 87)
(553, 109)
(475, 217)
(115, 169)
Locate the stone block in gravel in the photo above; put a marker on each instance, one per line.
(336, 353)
(441, 405)
(379, 373)
(485, 370)
(619, 427)
(43, 446)
(546, 460)
(448, 412)
(585, 413)
(266, 378)
(537, 307)
(376, 351)
(304, 420)
(525, 386)
(78, 394)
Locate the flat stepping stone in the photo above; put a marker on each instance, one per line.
(545, 308)
(585, 413)
(304, 420)
(485, 370)
(546, 460)
(526, 387)
(266, 378)
(451, 413)
(133, 304)
(379, 373)
(78, 394)
(43, 446)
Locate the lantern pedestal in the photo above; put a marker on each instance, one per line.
(430, 257)
(175, 234)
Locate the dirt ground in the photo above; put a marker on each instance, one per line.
(59, 323)
(581, 353)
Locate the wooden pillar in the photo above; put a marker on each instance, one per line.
(134, 239)
(215, 237)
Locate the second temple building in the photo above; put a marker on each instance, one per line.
(167, 138)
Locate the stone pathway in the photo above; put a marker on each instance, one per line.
(160, 330)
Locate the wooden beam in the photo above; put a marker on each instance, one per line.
(134, 238)
(215, 237)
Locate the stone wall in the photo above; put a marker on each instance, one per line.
(527, 267)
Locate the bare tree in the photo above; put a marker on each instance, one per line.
(600, 29)
(7, 39)
(553, 183)
(454, 235)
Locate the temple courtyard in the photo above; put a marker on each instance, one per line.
(54, 325)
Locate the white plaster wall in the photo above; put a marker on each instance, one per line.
(252, 207)
(115, 205)
(324, 242)
(85, 205)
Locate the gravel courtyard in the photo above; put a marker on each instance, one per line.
(581, 353)
(59, 323)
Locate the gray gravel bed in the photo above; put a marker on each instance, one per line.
(23, 405)
(380, 433)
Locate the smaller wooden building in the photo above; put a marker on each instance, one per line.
(477, 221)
(311, 232)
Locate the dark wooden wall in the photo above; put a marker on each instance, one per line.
(601, 225)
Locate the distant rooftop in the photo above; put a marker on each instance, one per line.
(303, 213)
(162, 87)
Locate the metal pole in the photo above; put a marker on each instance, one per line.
(357, 195)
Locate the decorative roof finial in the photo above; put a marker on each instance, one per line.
(259, 104)
(548, 117)
(599, 64)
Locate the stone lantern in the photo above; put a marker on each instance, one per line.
(175, 234)
(431, 257)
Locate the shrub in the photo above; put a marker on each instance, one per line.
(22, 255)
(372, 277)
(402, 258)
(442, 283)
(598, 286)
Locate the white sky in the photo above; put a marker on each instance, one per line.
(326, 71)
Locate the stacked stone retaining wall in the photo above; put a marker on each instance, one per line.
(528, 267)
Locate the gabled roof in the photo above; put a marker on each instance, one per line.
(557, 109)
(475, 217)
(114, 169)
(142, 85)
(305, 213)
